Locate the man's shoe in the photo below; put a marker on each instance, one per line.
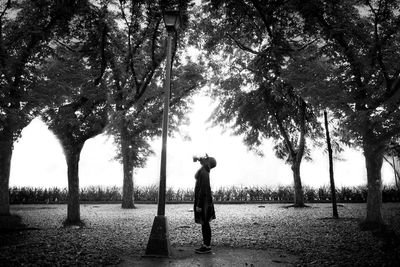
(203, 250)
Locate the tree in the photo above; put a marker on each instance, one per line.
(263, 114)
(144, 122)
(252, 42)
(73, 76)
(25, 30)
(309, 71)
(362, 39)
(135, 63)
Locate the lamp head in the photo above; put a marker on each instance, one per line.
(172, 19)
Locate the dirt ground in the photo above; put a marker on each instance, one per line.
(111, 235)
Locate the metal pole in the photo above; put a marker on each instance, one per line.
(163, 169)
(158, 245)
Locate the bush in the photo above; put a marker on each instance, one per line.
(31, 195)
(310, 194)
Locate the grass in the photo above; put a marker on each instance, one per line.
(111, 232)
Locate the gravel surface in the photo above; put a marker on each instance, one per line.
(110, 233)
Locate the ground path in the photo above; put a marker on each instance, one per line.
(246, 233)
(221, 256)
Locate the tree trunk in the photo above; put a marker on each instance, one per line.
(298, 188)
(373, 159)
(396, 174)
(331, 176)
(72, 154)
(6, 146)
(297, 158)
(127, 186)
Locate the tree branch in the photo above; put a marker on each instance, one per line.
(349, 52)
(378, 47)
(307, 44)
(117, 82)
(102, 50)
(388, 135)
(242, 46)
(2, 49)
(66, 46)
(36, 37)
(155, 62)
(121, 6)
(129, 59)
(302, 143)
(263, 17)
(289, 144)
(392, 97)
(8, 5)
(396, 173)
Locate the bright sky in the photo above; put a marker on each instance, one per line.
(38, 160)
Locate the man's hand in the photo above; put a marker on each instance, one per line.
(198, 209)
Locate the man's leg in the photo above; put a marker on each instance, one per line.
(206, 230)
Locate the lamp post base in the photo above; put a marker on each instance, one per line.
(158, 245)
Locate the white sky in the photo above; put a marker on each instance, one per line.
(38, 160)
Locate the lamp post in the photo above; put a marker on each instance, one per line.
(158, 245)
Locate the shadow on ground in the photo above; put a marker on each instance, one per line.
(221, 256)
(9, 223)
(13, 223)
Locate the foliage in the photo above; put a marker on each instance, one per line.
(361, 41)
(137, 94)
(249, 46)
(232, 194)
(23, 45)
(309, 72)
(73, 78)
(143, 121)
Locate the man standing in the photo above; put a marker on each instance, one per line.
(203, 205)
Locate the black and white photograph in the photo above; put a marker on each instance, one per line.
(200, 133)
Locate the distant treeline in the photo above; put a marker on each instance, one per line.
(148, 194)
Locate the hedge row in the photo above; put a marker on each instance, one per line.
(31, 195)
